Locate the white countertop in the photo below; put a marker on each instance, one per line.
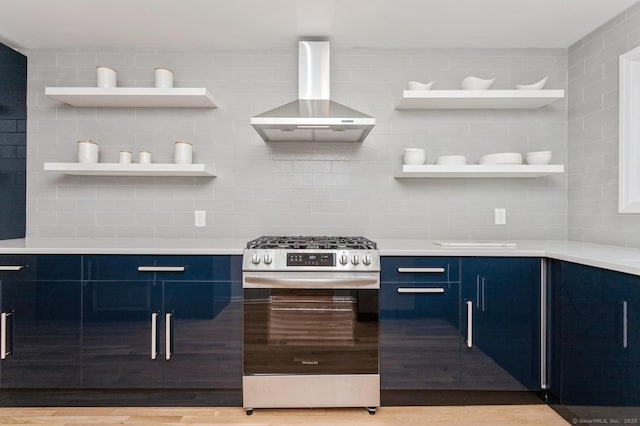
(616, 258)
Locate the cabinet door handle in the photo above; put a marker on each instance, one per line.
(421, 270)
(625, 325)
(483, 281)
(469, 323)
(6, 334)
(161, 268)
(168, 342)
(430, 290)
(478, 291)
(11, 268)
(154, 335)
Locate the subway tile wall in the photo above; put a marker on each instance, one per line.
(294, 188)
(593, 134)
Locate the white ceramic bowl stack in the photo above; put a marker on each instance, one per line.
(451, 160)
(501, 158)
(414, 156)
(538, 157)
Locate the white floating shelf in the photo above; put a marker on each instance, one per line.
(134, 169)
(478, 99)
(479, 171)
(179, 97)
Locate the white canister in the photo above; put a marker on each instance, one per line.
(183, 153)
(164, 78)
(125, 157)
(88, 152)
(144, 157)
(106, 76)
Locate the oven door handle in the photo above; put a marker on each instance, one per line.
(333, 282)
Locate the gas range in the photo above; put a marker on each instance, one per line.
(311, 253)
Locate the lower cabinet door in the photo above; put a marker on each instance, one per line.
(594, 360)
(121, 334)
(419, 336)
(501, 323)
(40, 322)
(202, 335)
(632, 330)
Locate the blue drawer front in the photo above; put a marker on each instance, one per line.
(420, 269)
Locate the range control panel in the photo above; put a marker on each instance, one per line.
(311, 259)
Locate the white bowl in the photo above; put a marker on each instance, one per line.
(501, 158)
(451, 160)
(414, 156)
(533, 86)
(416, 85)
(538, 157)
(475, 83)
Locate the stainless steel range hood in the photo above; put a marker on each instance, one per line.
(314, 116)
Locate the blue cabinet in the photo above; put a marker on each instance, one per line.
(13, 142)
(162, 321)
(460, 323)
(599, 337)
(501, 323)
(419, 323)
(40, 321)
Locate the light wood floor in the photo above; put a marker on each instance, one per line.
(494, 415)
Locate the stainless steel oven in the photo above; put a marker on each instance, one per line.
(311, 326)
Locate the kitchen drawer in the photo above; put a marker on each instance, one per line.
(420, 269)
(163, 268)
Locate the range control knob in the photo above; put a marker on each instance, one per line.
(344, 259)
(355, 259)
(267, 259)
(366, 259)
(255, 258)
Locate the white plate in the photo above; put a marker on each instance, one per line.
(501, 158)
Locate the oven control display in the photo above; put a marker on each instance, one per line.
(311, 259)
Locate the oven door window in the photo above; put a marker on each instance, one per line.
(310, 331)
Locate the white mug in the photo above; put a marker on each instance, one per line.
(125, 157)
(106, 76)
(183, 153)
(87, 152)
(164, 78)
(144, 157)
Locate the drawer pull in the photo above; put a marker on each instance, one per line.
(421, 270)
(11, 268)
(409, 290)
(161, 268)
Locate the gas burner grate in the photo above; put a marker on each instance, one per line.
(311, 243)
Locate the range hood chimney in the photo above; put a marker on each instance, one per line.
(314, 117)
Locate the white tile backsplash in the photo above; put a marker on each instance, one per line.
(593, 134)
(328, 188)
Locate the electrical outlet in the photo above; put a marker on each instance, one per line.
(200, 218)
(501, 216)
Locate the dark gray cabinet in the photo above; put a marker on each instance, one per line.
(162, 321)
(13, 142)
(40, 321)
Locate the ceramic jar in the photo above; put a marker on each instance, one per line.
(88, 152)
